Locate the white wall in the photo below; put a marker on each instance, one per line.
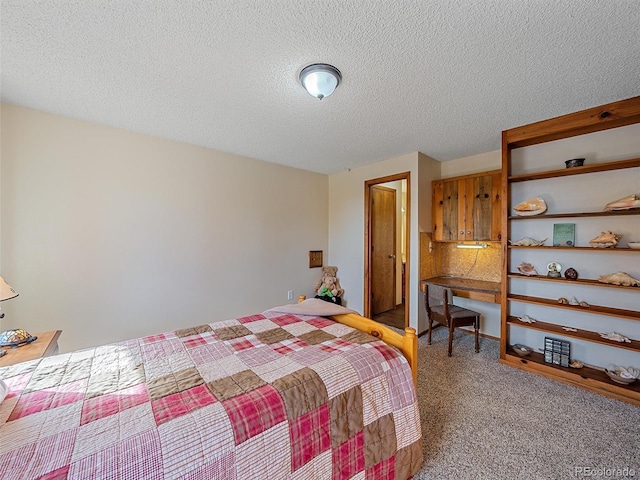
(109, 234)
(346, 226)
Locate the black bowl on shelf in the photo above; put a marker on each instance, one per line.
(574, 162)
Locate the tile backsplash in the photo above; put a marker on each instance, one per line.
(445, 259)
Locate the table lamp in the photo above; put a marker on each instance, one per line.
(11, 338)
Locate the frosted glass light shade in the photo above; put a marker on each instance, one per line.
(320, 79)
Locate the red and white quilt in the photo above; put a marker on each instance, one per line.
(269, 396)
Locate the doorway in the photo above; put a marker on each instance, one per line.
(387, 207)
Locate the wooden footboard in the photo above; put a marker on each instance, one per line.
(407, 343)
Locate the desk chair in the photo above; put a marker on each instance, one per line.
(439, 309)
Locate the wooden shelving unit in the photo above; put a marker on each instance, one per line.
(581, 334)
(576, 215)
(614, 115)
(577, 247)
(598, 167)
(585, 377)
(579, 281)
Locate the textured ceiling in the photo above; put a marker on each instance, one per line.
(440, 77)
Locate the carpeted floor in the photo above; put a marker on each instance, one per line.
(484, 420)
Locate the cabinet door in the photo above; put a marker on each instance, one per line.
(481, 201)
(467, 209)
(450, 210)
(437, 224)
(496, 207)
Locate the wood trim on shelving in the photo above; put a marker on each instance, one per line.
(603, 117)
(617, 249)
(586, 335)
(579, 281)
(585, 377)
(597, 309)
(597, 167)
(576, 214)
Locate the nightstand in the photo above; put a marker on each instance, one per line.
(45, 345)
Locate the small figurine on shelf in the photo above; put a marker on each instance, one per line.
(571, 274)
(554, 269)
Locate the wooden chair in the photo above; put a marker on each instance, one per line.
(439, 309)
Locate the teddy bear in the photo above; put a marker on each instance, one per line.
(328, 285)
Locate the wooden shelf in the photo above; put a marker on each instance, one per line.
(586, 335)
(598, 167)
(548, 302)
(608, 250)
(596, 119)
(579, 281)
(588, 378)
(614, 213)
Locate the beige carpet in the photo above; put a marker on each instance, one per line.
(484, 420)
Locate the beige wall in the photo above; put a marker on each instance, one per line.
(346, 225)
(483, 162)
(109, 234)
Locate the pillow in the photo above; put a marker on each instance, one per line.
(314, 307)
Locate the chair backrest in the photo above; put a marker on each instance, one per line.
(437, 296)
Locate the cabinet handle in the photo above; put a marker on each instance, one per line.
(469, 232)
(461, 232)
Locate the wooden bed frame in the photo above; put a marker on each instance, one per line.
(407, 343)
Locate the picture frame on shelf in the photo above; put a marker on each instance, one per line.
(564, 234)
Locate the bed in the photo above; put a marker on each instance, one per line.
(290, 393)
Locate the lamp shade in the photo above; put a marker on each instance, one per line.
(6, 291)
(320, 79)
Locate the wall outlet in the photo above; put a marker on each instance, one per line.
(290, 295)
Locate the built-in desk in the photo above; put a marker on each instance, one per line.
(480, 290)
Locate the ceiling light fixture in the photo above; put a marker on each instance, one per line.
(320, 79)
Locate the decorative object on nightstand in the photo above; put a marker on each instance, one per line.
(45, 345)
(15, 338)
(6, 293)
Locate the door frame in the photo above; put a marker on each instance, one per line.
(367, 240)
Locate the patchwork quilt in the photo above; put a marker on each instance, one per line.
(268, 396)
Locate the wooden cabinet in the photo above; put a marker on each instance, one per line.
(467, 208)
(581, 325)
